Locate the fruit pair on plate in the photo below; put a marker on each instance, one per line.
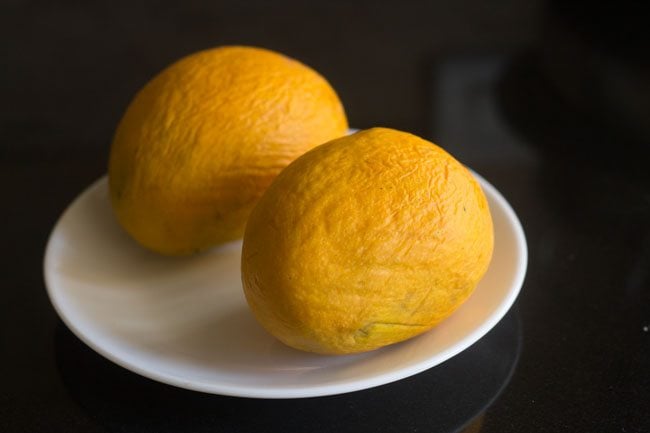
(351, 242)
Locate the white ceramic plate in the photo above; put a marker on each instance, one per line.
(185, 321)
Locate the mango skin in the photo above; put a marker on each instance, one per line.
(202, 141)
(365, 241)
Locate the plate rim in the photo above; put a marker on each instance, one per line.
(312, 391)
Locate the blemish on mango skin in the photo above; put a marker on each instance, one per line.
(371, 328)
(366, 241)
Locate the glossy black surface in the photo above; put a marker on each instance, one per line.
(550, 105)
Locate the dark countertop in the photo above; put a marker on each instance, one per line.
(572, 355)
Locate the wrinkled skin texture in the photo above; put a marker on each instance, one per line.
(202, 140)
(365, 241)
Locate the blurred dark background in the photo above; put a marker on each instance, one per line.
(71, 67)
(549, 100)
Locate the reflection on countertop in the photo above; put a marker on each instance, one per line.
(453, 395)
